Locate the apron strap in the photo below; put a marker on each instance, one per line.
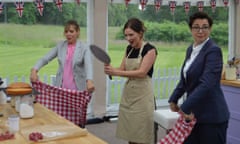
(140, 51)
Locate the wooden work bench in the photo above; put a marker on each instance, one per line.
(44, 116)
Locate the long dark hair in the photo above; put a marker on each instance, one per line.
(135, 24)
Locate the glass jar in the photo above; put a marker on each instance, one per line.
(26, 108)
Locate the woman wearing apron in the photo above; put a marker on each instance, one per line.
(135, 122)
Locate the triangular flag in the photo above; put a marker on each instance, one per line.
(40, 6)
(126, 2)
(172, 6)
(187, 5)
(59, 4)
(19, 7)
(213, 5)
(78, 2)
(225, 2)
(200, 5)
(1, 7)
(143, 4)
(157, 4)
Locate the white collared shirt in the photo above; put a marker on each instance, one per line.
(194, 54)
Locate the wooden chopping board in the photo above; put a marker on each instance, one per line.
(53, 131)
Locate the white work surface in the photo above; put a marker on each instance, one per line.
(165, 118)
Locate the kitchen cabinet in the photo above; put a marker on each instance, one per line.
(231, 90)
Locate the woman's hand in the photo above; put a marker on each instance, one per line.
(188, 117)
(90, 86)
(108, 69)
(33, 75)
(174, 107)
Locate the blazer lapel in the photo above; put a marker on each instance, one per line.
(77, 52)
(64, 52)
(201, 54)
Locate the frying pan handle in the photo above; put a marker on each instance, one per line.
(110, 77)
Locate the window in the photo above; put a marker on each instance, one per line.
(27, 38)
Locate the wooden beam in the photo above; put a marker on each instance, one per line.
(99, 38)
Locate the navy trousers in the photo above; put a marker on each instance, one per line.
(208, 134)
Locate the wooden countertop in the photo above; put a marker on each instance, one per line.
(234, 83)
(44, 116)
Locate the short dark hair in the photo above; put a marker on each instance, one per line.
(135, 24)
(200, 15)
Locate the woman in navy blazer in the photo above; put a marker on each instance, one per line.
(75, 69)
(200, 80)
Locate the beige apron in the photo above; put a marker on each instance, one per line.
(135, 122)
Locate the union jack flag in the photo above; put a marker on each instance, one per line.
(126, 2)
(157, 4)
(40, 6)
(59, 4)
(200, 5)
(225, 2)
(1, 7)
(213, 5)
(187, 6)
(143, 3)
(19, 7)
(172, 5)
(78, 2)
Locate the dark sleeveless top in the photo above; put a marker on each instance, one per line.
(135, 52)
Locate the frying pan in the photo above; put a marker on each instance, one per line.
(101, 55)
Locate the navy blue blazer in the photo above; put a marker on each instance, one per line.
(203, 87)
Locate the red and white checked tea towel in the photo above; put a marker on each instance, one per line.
(180, 131)
(71, 104)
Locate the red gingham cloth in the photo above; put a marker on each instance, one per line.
(180, 131)
(71, 104)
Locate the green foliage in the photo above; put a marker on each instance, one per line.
(220, 33)
(172, 32)
(22, 45)
(118, 14)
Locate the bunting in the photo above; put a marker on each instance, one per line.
(19, 7)
(172, 6)
(59, 4)
(157, 4)
(40, 6)
(1, 7)
(143, 4)
(200, 5)
(187, 5)
(225, 2)
(213, 5)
